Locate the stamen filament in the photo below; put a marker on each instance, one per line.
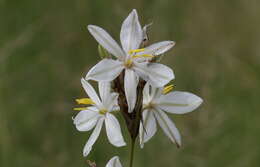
(144, 55)
(135, 50)
(79, 108)
(85, 101)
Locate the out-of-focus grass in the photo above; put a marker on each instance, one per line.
(45, 49)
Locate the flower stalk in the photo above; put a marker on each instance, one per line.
(132, 153)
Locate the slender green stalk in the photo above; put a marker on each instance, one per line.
(132, 153)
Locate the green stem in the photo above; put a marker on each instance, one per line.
(132, 153)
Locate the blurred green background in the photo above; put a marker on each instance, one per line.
(45, 49)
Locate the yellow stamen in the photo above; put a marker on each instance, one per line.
(135, 51)
(85, 101)
(103, 111)
(128, 63)
(145, 56)
(168, 89)
(80, 108)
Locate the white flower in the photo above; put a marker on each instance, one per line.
(97, 114)
(114, 162)
(128, 58)
(158, 100)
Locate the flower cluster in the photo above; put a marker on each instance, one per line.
(131, 81)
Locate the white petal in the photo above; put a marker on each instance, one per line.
(148, 128)
(145, 37)
(130, 83)
(91, 92)
(111, 102)
(104, 90)
(115, 108)
(92, 139)
(155, 74)
(146, 93)
(85, 120)
(131, 32)
(105, 40)
(114, 162)
(105, 70)
(113, 130)
(168, 127)
(179, 102)
(109, 99)
(158, 48)
(156, 93)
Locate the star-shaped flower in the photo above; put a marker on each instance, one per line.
(130, 58)
(114, 162)
(156, 102)
(98, 113)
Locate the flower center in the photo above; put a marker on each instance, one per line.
(129, 63)
(168, 89)
(134, 55)
(148, 106)
(103, 111)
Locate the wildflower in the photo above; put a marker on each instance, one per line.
(130, 58)
(97, 113)
(114, 162)
(156, 102)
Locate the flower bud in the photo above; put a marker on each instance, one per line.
(157, 58)
(103, 53)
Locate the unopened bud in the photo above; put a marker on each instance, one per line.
(103, 53)
(157, 58)
(145, 35)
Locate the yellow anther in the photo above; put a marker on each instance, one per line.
(135, 51)
(85, 101)
(80, 108)
(103, 111)
(141, 56)
(128, 63)
(168, 89)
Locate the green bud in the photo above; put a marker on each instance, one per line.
(103, 53)
(158, 58)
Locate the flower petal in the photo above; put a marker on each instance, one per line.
(155, 74)
(168, 127)
(105, 40)
(109, 99)
(145, 37)
(104, 90)
(158, 48)
(91, 92)
(130, 83)
(156, 93)
(146, 94)
(85, 120)
(114, 162)
(131, 32)
(113, 130)
(105, 70)
(178, 102)
(92, 139)
(111, 102)
(147, 128)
